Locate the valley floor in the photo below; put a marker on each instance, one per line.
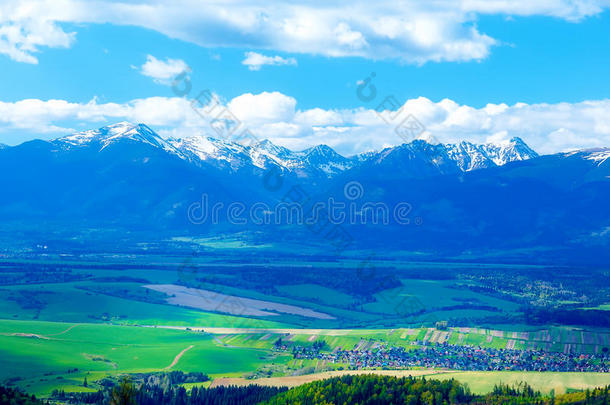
(280, 320)
(42, 356)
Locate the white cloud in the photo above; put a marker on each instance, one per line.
(20, 40)
(548, 128)
(163, 72)
(411, 31)
(570, 10)
(318, 116)
(264, 107)
(254, 61)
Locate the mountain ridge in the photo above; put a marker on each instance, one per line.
(320, 161)
(128, 177)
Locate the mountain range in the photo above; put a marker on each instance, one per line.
(462, 197)
(315, 162)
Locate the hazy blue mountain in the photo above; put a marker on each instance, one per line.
(550, 201)
(320, 161)
(420, 158)
(118, 174)
(324, 158)
(462, 197)
(417, 158)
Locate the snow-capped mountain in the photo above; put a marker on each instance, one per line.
(470, 156)
(509, 151)
(601, 156)
(325, 158)
(201, 150)
(108, 135)
(467, 194)
(420, 158)
(417, 158)
(319, 161)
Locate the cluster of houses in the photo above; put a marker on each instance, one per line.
(459, 357)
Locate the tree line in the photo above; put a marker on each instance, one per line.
(350, 389)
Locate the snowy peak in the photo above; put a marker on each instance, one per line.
(266, 153)
(321, 150)
(417, 158)
(509, 151)
(599, 156)
(226, 154)
(270, 149)
(262, 155)
(108, 135)
(318, 161)
(417, 149)
(215, 152)
(321, 161)
(470, 156)
(326, 159)
(420, 157)
(322, 153)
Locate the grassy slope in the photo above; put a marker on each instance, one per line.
(115, 349)
(67, 303)
(42, 353)
(432, 294)
(130, 349)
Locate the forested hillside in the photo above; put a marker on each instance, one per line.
(349, 389)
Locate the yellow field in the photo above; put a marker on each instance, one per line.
(293, 381)
(480, 382)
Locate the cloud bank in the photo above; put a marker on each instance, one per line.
(548, 128)
(410, 31)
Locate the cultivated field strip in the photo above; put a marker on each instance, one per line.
(556, 340)
(72, 351)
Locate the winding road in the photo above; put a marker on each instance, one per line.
(177, 358)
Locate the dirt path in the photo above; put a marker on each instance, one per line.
(38, 336)
(28, 335)
(177, 358)
(65, 331)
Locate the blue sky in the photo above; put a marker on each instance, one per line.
(550, 59)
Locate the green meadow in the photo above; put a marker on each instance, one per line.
(91, 320)
(41, 354)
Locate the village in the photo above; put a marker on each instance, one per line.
(456, 357)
